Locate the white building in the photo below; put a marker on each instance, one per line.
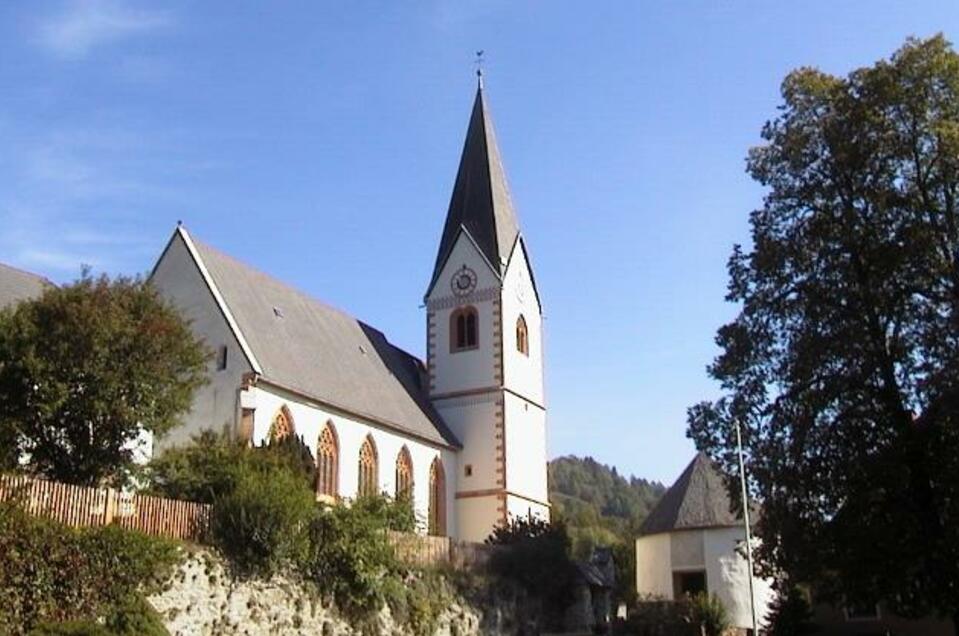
(464, 434)
(691, 542)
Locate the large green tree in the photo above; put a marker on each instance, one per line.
(843, 364)
(84, 367)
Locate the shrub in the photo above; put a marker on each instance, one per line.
(203, 471)
(290, 452)
(349, 555)
(261, 524)
(537, 557)
(134, 616)
(71, 628)
(53, 573)
(708, 611)
(790, 614)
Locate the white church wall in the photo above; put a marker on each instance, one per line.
(654, 573)
(471, 369)
(473, 420)
(727, 575)
(308, 421)
(525, 427)
(687, 550)
(522, 508)
(178, 280)
(522, 373)
(476, 517)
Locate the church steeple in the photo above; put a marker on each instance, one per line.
(481, 201)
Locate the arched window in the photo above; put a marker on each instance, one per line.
(464, 329)
(282, 425)
(437, 512)
(327, 462)
(404, 476)
(522, 336)
(369, 470)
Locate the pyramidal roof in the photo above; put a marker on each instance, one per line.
(698, 499)
(481, 201)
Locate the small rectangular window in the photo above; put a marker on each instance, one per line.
(221, 358)
(468, 470)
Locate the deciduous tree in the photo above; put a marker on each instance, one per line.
(86, 367)
(843, 364)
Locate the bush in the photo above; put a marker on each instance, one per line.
(537, 557)
(707, 611)
(790, 614)
(71, 628)
(52, 573)
(261, 524)
(350, 557)
(203, 471)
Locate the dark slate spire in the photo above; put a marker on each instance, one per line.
(480, 203)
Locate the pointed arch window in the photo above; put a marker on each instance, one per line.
(404, 475)
(522, 336)
(464, 329)
(367, 484)
(327, 462)
(437, 510)
(282, 425)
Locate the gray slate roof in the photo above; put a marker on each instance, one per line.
(481, 201)
(698, 499)
(312, 348)
(17, 285)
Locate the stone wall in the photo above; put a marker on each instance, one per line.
(202, 599)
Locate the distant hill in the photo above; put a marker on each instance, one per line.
(598, 504)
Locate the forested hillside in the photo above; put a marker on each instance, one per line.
(601, 507)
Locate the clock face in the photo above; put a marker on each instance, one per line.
(464, 281)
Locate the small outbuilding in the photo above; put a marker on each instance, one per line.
(692, 542)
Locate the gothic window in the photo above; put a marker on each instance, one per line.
(369, 471)
(522, 336)
(464, 329)
(282, 425)
(327, 462)
(404, 475)
(437, 511)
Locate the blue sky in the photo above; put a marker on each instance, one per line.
(318, 141)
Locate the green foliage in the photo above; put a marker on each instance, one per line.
(419, 600)
(708, 612)
(50, 572)
(602, 508)
(790, 614)
(292, 452)
(842, 366)
(261, 524)
(203, 470)
(349, 556)
(83, 368)
(656, 617)
(71, 628)
(535, 554)
(133, 616)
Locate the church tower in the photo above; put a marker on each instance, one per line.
(485, 344)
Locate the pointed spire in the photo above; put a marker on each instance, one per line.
(481, 201)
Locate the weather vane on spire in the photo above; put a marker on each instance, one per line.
(479, 64)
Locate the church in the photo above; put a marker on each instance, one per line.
(463, 433)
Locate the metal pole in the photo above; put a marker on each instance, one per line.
(749, 542)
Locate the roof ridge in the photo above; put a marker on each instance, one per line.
(20, 270)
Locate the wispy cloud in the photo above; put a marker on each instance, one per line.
(86, 24)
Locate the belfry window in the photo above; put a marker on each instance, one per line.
(464, 329)
(522, 336)
(327, 462)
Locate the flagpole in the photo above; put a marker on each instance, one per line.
(749, 542)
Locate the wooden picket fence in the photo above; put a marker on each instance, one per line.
(429, 551)
(83, 506)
